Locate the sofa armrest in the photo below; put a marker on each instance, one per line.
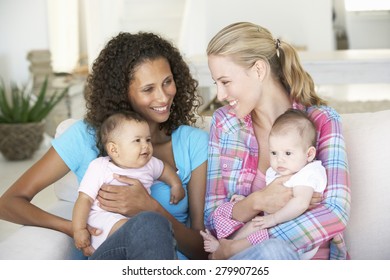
(367, 138)
(37, 243)
(30, 242)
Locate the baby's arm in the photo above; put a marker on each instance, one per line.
(295, 207)
(81, 211)
(170, 177)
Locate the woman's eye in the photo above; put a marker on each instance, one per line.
(273, 153)
(288, 153)
(225, 83)
(148, 89)
(168, 82)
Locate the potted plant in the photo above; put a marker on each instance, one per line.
(22, 119)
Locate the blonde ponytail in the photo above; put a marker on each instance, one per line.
(295, 78)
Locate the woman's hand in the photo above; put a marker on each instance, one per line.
(275, 196)
(270, 199)
(315, 200)
(126, 200)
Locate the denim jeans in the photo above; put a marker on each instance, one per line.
(146, 236)
(271, 249)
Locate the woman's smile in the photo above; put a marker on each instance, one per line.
(161, 109)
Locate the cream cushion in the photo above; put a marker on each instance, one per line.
(367, 137)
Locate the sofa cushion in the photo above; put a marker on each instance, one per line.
(367, 137)
(37, 243)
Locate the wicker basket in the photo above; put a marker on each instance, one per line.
(20, 141)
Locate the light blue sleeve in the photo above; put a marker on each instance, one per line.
(199, 147)
(190, 147)
(77, 147)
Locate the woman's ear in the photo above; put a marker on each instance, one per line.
(311, 154)
(261, 68)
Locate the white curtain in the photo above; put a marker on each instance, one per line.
(193, 35)
(63, 26)
(102, 22)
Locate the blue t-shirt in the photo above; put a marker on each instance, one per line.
(77, 148)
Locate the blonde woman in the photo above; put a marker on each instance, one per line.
(260, 77)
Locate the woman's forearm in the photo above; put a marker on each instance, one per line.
(15, 203)
(246, 209)
(15, 211)
(270, 199)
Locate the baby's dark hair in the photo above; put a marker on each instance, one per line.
(113, 122)
(299, 121)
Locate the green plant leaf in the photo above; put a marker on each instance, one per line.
(38, 106)
(21, 109)
(52, 102)
(25, 108)
(5, 109)
(16, 97)
(3, 120)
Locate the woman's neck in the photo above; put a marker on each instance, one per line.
(274, 102)
(159, 136)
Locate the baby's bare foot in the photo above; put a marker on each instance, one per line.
(211, 244)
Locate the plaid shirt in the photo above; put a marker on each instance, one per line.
(232, 167)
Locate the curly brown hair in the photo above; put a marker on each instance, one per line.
(113, 71)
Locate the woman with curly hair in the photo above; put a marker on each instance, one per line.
(143, 73)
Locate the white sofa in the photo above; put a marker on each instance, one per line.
(367, 137)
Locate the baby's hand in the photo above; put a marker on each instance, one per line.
(264, 222)
(82, 238)
(177, 194)
(236, 197)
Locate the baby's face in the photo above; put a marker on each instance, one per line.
(288, 153)
(134, 144)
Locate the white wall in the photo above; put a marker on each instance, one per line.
(23, 27)
(368, 30)
(303, 23)
(102, 22)
(105, 18)
(189, 23)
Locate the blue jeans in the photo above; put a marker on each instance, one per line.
(146, 236)
(271, 249)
